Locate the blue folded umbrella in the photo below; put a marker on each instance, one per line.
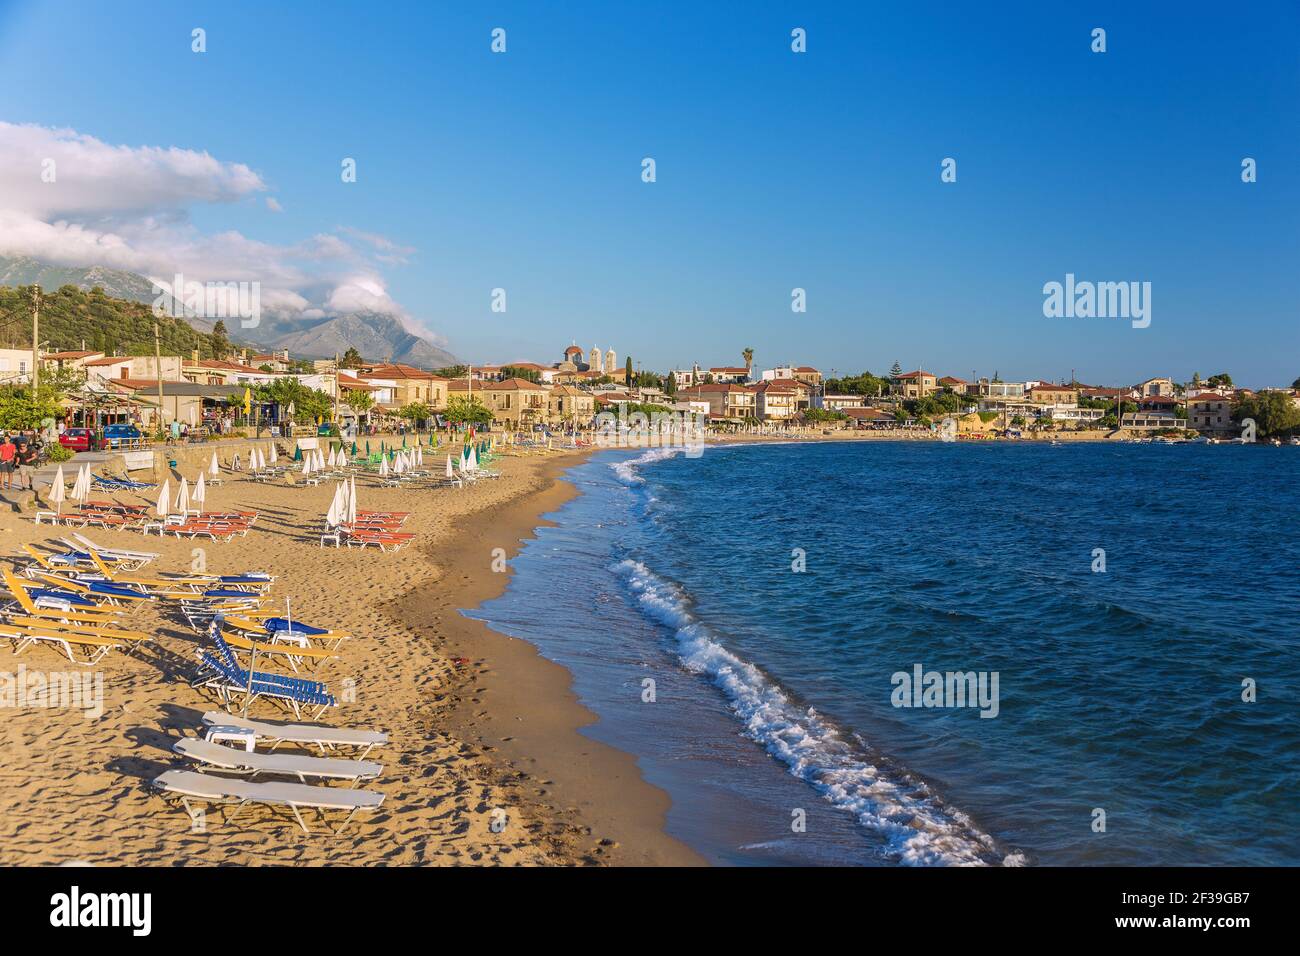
(68, 596)
(276, 624)
(103, 587)
(244, 578)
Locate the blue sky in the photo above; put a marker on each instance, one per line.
(775, 170)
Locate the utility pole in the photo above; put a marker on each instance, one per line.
(336, 391)
(157, 361)
(36, 337)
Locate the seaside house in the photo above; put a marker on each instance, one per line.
(516, 402)
(838, 403)
(727, 374)
(726, 401)
(910, 385)
(401, 385)
(1211, 414)
(1046, 393)
(58, 360)
(777, 400)
(570, 405)
(954, 384)
(1155, 386)
(275, 361)
(116, 368)
(1000, 390)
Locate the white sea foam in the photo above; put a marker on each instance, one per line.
(627, 468)
(917, 827)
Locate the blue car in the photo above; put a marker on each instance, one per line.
(115, 435)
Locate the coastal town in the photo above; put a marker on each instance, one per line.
(275, 390)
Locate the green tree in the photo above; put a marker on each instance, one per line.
(351, 359)
(359, 401)
(895, 370)
(748, 355)
(463, 409)
(220, 340)
(1273, 411)
(670, 385)
(416, 412)
(1222, 379)
(514, 371)
(627, 371)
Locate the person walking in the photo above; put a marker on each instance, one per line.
(27, 454)
(7, 452)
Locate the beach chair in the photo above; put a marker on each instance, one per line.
(281, 629)
(127, 560)
(323, 738)
(203, 787)
(252, 763)
(92, 646)
(224, 675)
(294, 654)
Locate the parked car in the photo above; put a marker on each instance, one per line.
(117, 435)
(78, 439)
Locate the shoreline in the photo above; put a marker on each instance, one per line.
(520, 709)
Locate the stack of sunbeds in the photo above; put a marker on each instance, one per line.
(217, 525)
(226, 774)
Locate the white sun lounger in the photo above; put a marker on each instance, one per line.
(207, 788)
(138, 558)
(253, 763)
(322, 737)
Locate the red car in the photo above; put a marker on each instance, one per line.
(77, 439)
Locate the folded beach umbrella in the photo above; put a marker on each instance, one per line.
(332, 460)
(164, 497)
(58, 491)
(200, 492)
(332, 516)
(214, 469)
(352, 501)
(367, 447)
(306, 465)
(252, 458)
(354, 448)
(419, 456)
(261, 460)
(473, 460)
(450, 472)
(183, 497)
(81, 490)
(343, 458)
(383, 467)
(320, 460)
(274, 454)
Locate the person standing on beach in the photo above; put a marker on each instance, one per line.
(26, 456)
(7, 452)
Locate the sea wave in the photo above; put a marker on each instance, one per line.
(917, 827)
(627, 468)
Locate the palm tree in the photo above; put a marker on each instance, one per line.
(748, 355)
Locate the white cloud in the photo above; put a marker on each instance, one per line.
(273, 204)
(129, 207)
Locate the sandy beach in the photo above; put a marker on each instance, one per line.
(479, 724)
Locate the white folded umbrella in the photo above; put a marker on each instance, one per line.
(274, 454)
(352, 501)
(58, 491)
(183, 497)
(332, 516)
(383, 466)
(214, 469)
(451, 473)
(164, 498)
(200, 492)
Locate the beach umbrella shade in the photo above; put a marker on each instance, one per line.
(164, 499)
(214, 469)
(58, 491)
(200, 492)
(183, 497)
